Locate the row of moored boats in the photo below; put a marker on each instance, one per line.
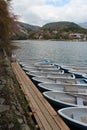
(64, 87)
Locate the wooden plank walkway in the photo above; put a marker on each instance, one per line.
(46, 117)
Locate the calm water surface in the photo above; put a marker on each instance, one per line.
(62, 52)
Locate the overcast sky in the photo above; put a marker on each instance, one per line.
(40, 12)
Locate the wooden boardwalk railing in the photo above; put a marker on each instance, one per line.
(46, 117)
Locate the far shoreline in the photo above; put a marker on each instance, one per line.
(13, 41)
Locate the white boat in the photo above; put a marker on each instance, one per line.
(43, 62)
(46, 74)
(51, 65)
(26, 65)
(28, 61)
(35, 62)
(78, 73)
(75, 117)
(40, 69)
(40, 65)
(63, 99)
(64, 76)
(63, 88)
(58, 74)
(42, 79)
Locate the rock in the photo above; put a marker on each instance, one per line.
(24, 118)
(11, 125)
(17, 113)
(25, 127)
(3, 81)
(4, 108)
(1, 87)
(2, 100)
(13, 107)
(20, 120)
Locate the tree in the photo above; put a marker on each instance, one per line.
(7, 23)
(4, 21)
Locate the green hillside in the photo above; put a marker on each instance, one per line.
(63, 26)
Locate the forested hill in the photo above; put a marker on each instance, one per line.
(23, 30)
(28, 26)
(61, 25)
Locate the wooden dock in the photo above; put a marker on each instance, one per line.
(46, 117)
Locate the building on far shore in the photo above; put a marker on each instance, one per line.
(78, 36)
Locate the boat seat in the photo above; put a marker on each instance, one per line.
(70, 89)
(82, 91)
(79, 101)
(69, 82)
(71, 101)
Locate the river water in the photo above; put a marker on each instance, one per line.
(62, 52)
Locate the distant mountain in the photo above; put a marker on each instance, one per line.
(84, 25)
(61, 25)
(23, 30)
(28, 26)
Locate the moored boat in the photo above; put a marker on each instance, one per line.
(35, 62)
(51, 74)
(63, 99)
(63, 88)
(40, 69)
(77, 72)
(42, 79)
(46, 74)
(40, 66)
(51, 65)
(75, 117)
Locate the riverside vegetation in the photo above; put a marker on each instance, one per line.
(14, 111)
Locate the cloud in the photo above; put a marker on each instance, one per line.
(40, 12)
